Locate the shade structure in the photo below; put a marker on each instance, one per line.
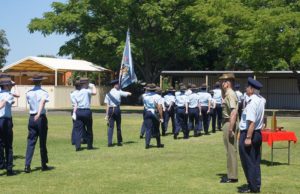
(30, 65)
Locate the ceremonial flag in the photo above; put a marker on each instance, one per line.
(127, 74)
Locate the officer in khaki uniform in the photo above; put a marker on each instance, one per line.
(230, 127)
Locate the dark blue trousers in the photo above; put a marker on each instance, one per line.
(83, 124)
(152, 127)
(37, 129)
(181, 121)
(167, 115)
(143, 127)
(114, 115)
(217, 115)
(205, 118)
(194, 120)
(6, 142)
(250, 159)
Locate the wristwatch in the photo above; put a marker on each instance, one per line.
(248, 137)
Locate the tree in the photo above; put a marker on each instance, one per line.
(99, 29)
(179, 34)
(3, 47)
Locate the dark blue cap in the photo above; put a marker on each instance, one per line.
(237, 86)
(113, 82)
(254, 83)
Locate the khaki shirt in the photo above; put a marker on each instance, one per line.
(230, 102)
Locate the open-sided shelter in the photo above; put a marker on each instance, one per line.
(58, 71)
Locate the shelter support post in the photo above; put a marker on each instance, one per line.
(55, 77)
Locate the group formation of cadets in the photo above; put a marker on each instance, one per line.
(37, 124)
(190, 109)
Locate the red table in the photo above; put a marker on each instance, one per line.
(271, 136)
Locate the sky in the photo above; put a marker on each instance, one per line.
(15, 15)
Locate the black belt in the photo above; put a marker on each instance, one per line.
(36, 114)
(83, 109)
(180, 106)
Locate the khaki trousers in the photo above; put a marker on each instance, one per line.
(231, 152)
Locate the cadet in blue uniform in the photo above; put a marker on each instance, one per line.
(38, 123)
(113, 112)
(6, 131)
(181, 102)
(143, 127)
(240, 97)
(205, 100)
(169, 100)
(250, 138)
(74, 105)
(217, 113)
(84, 119)
(153, 116)
(193, 111)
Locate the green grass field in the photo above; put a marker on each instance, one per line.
(183, 166)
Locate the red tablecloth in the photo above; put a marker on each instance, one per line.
(271, 136)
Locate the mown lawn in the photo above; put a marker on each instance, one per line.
(183, 166)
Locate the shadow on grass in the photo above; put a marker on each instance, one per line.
(269, 163)
(40, 169)
(15, 157)
(129, 142)
(15, 171)
(221, 175)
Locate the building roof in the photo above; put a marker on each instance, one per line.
(45, 64)
(242, 73)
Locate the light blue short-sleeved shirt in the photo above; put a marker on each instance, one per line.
(83, 98)
(113, 98)
(240, 96)
(254, 111)
(150, 100)
(168, 99)
(193, 100)
(180, 99)
(5, 112)
(205, 97)
(73, 97)
(34, 97)
(217, 95)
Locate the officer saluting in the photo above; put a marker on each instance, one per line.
(152, 103)
(250, 138)
(230, 115)
(6, 132)
(38, 123)
(84, 119)
(113, 112)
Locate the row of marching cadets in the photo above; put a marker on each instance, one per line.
(188, 109)
(37, 124)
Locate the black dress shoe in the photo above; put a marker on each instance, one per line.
(175, 135)
(90, 148)
(120, 144)
(27, 169)
(247, 190)
(147, 146)
(78, 149)
(45, 167)
(10, 173)
(141, 137)
(227, 180)
(160, 145)
(110, 145)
